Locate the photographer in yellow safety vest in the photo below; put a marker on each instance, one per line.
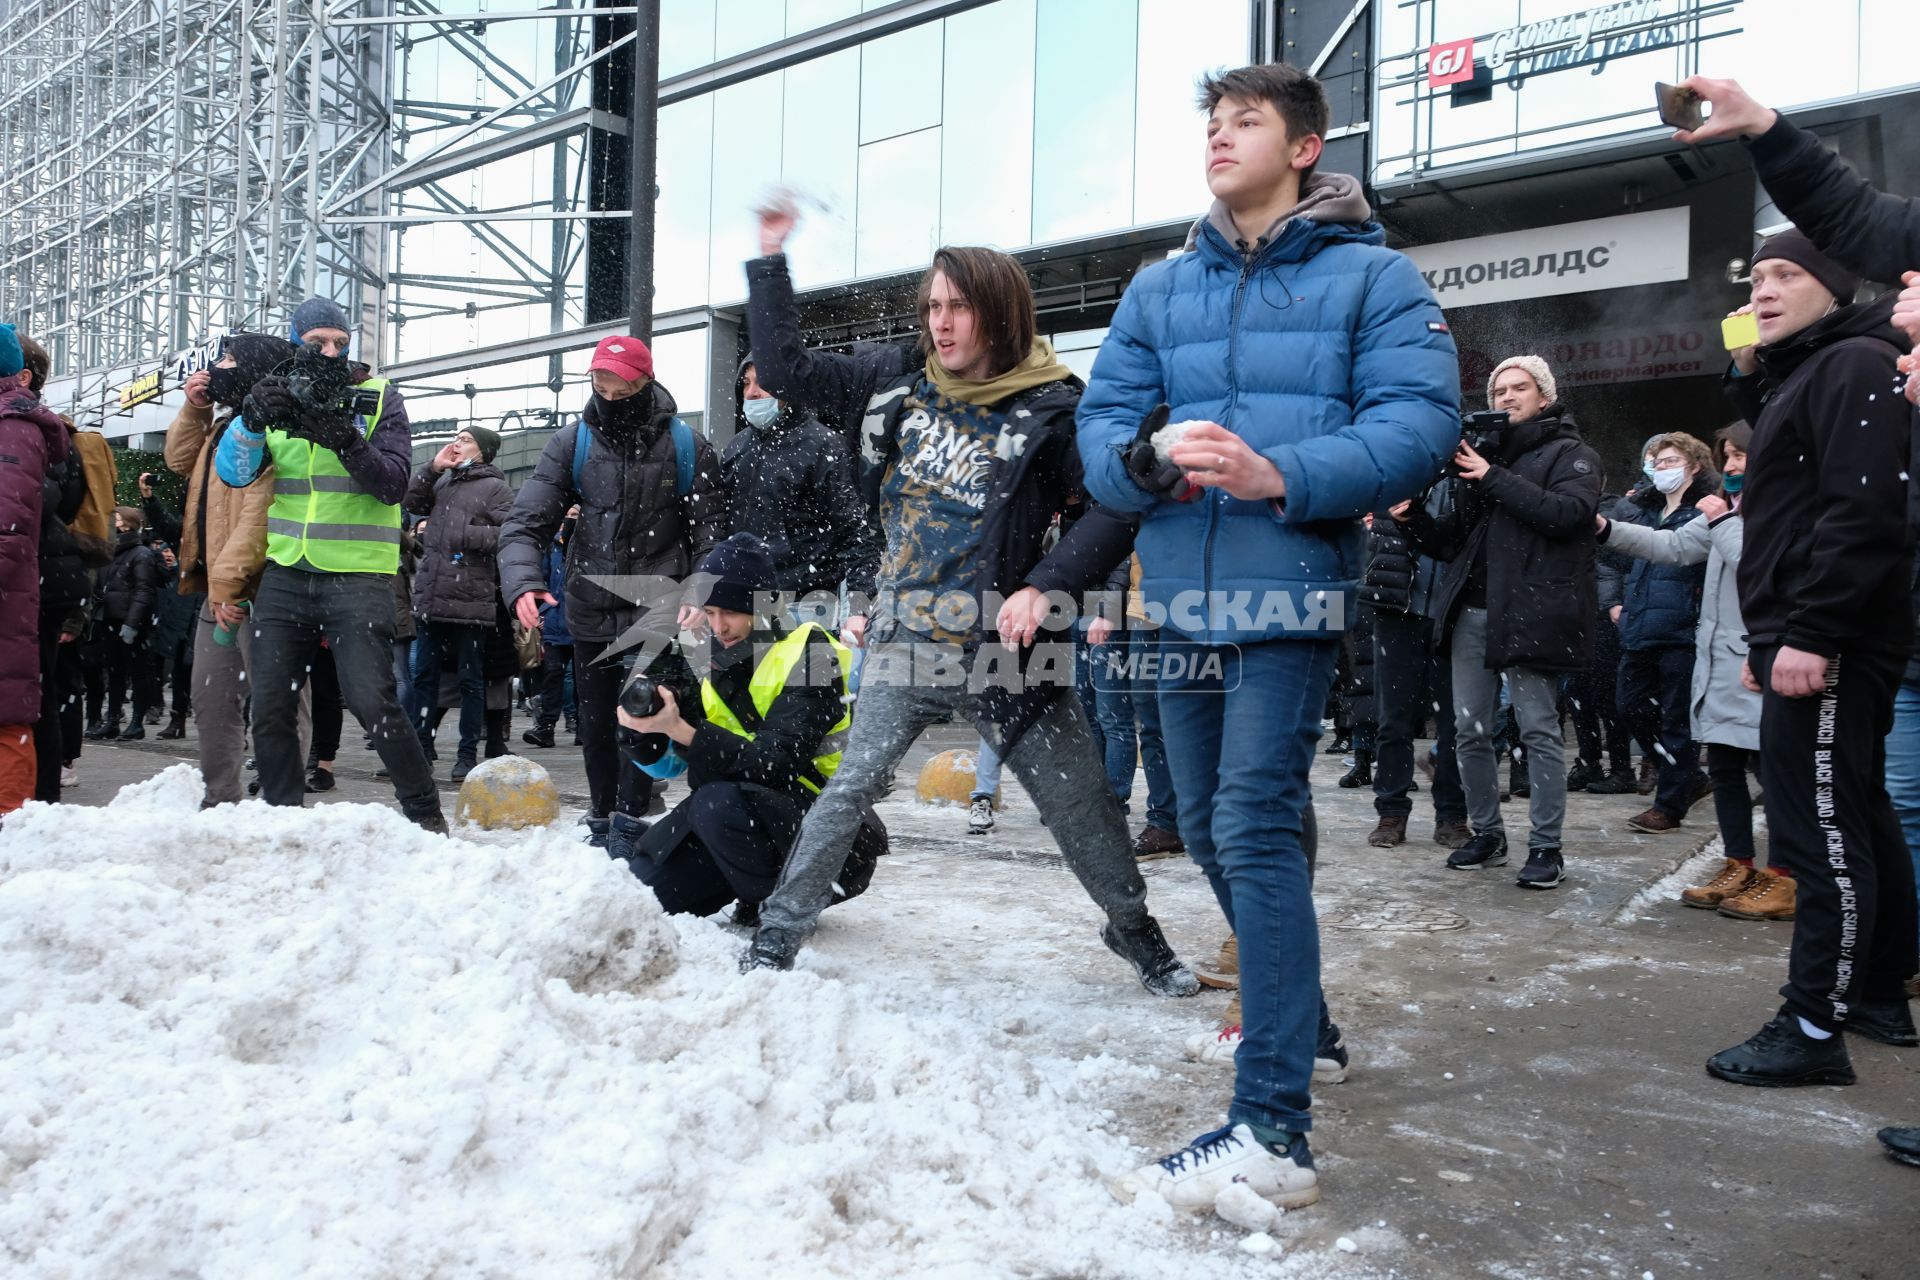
(765, 738)
(341, 453)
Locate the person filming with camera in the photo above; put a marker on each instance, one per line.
(757, 741)
(341, 454)
(1519, 597)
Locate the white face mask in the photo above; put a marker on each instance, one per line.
(1672, 480)
(760, 412)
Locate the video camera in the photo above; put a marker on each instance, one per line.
(325, 383)
(1485, 433)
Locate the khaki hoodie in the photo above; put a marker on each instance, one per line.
(1326, 197)
(223, 532)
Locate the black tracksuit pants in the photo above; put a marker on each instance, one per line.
(1829, 820)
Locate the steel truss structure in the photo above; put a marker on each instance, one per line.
(168, 160)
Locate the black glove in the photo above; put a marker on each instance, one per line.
(1147, 468)
(328, 428)
(270, 405)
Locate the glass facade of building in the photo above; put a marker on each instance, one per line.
(1017, 124)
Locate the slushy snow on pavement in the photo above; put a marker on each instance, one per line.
(323, 1043)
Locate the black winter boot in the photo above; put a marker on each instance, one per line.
(1361, 775)
(1145, 948)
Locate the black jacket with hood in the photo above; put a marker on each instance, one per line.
(632, 519)
(1533, 511)
(1026, 490)
(456, 578)
(130, 588)
(1828, 561)
(791, 483)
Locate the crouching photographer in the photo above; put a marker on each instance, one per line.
(765, 736)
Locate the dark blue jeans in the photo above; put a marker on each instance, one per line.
(1656, 701)
(1240, 734)
(1113, 713)
(1143, 647)
(467, 643)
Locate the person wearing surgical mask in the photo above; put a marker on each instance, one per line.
(789, 481)
(1657, 617)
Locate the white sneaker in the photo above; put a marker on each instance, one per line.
(1216, 1049)
(1192, 1178)
(980, 816)
(69, 775)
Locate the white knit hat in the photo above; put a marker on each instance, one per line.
(1535, 368)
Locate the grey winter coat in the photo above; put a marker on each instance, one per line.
(458, 578)
(1724, 711)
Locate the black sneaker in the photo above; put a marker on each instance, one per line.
(1618, 783)
(430, 820)
(1780, 1054)
(1888, 1021)
(596, 832)
(538, 736)
(1482, 849)
(1583, 774)
(134, 732)
(1902, 1144)
(319, 779)
(1544, 869)
(771, 948)
(1519, 786)
(1329, 1054)
(461, 768)
(98, 730)
(1145, 948)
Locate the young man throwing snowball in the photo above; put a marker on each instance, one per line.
(1320, 382)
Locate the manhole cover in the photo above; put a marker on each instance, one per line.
(1387, 915)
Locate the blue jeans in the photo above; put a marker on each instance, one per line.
(1903, 766)
(986, 771)
(1113, 712)
(1143, 696)
(468, 645)
(1240, 736)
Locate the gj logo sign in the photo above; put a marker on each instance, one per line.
(1449, 63)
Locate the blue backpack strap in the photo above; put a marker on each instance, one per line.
(582, 441)
(685, 454)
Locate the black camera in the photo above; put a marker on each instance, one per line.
(1485, 433)
(641, 697)
(325, 383)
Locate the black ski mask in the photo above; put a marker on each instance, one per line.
(255, 356)
(630, 414)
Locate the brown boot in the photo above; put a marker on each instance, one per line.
(1653, 823)
(1224, 973)
(1649, 777)
(1732, 878)
(1768, 897)
(1155, 842)
(1451, 835)
(1390, 832)
(1231, 1018)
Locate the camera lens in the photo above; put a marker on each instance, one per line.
(641, 698)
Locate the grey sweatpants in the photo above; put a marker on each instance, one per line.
(1054, 760)
(220, 690)
(1535, 696)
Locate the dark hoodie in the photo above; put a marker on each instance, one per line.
(632, 519)
(1828, 563)
(1532, 518)
(791, 482)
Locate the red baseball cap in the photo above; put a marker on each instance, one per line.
(627, 357)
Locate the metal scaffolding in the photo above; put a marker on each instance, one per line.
(168, 162)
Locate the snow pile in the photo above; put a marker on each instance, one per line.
(322, 1043)
(1168, 436)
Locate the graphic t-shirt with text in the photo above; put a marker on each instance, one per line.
(931, 503)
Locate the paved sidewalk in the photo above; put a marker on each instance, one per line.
(1527, 1098)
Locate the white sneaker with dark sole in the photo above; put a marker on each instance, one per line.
(1217, 1048)
(1192, 1178)
(980, 816)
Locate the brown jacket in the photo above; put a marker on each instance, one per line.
(223, 532)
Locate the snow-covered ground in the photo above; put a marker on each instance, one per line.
(321, 1043)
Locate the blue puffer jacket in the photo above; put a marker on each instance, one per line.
(1661, 602)
(1322, 349)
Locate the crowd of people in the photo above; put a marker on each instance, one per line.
(1265, 499)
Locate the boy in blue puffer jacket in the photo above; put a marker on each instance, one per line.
(1317, 381)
